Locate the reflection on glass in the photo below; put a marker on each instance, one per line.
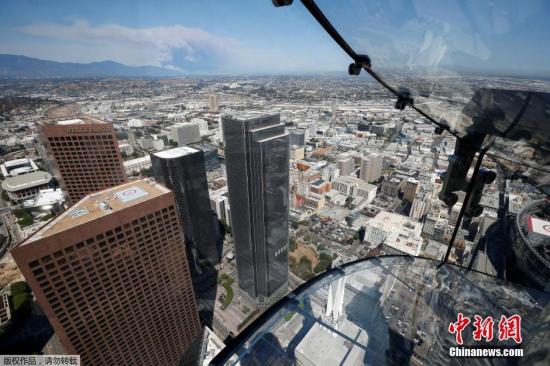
(393, 310)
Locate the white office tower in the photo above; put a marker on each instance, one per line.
(335, 302)
(345, 164)
(371, 167)
(186, 133)
(203, 126)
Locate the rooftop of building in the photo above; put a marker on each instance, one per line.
(402, 233)
(353, 180)
(24, 181)
(75, 121)
(143, 159)
(318, 183)
(45, 197)
(100, 204)
(218, 193)
(184, 124)
(245, 116)
(17, 166)
(176, 152)
(534, 224)
(81, 120)
(17, 162)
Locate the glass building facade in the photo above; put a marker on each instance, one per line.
(182, 170)
(257, 157)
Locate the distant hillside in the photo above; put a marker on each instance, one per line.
(22, 67)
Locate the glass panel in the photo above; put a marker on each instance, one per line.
(393, 310)
(472, 65)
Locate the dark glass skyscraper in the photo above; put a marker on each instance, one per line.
(182, 170)
(257, 158)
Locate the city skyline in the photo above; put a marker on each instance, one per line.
(244, 200)
(223, 38)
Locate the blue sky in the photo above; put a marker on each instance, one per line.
(240, 36)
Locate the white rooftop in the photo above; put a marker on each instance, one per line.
(14, 162)
(176, 152)
(45, 197)
(402, 233)
(75, 121)
(30, 180)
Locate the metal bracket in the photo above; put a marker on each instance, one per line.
(361, 61)
(403, 99)
(278, 3)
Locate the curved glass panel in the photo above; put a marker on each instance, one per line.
(475, 66)
(395, 311)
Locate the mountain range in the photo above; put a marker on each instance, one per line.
(23, 67)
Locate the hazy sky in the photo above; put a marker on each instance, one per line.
(239, 36)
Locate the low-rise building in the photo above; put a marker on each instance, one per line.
(314, 201)
(26, 186)
(137, 165)
(5, 313)
(46, 197)
(125, 148)
(297, 153)
(355, 187)
(395, 231)
(320, 186)
(16, 167)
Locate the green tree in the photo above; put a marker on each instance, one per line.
(147, 172)
(304, 266)
(292, 244)
(5, 196)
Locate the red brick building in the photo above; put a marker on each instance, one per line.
(84, 155)
(111, 275)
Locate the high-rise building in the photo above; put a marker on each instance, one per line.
(211, 159)
(85, 155)
(186, 133)
(420, 206)
(214, 103)
(390, 187)
(455, 212)
(257, 158)
(182, 170)
(410, 189)
(371, 167)
(111, 275)
(203, 126)
(345, 164)
(296, 137)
